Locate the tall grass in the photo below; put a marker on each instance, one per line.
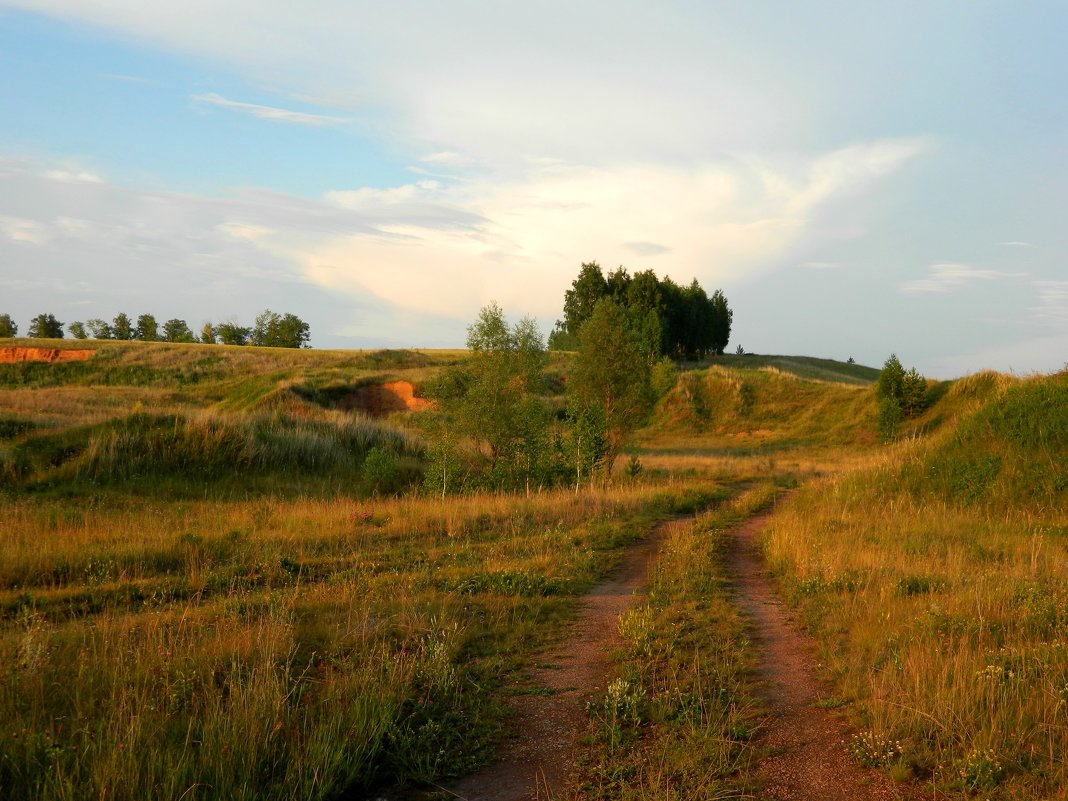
(938, 583)
(678, 718)
(280, 648)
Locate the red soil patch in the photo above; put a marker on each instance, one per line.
(378, 400)
(10, 355)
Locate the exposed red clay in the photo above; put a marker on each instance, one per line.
(378, 400)
(12, 354)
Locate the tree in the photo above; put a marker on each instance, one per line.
(722, 316)
(610, 379)
(177, 331)
(121, 327)
(233, 334)
(586, 290)
(77, 330)
(280, 331)
(901, 394)
(147, 328)
(207, 334)
(99, 329)
(45, 326)
(8, 328)
(492, 399)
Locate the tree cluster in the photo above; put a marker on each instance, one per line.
(901, 393)
(269, 330)
(496, 430)
(664, 318)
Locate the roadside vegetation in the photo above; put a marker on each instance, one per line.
(217, 581)
(937, 582)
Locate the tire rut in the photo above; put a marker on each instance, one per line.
(809, 760)
(536, 761)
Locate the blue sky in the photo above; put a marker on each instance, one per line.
(857, 179)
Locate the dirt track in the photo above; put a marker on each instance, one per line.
(535, 763)
(809, 760)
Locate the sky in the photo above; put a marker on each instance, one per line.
(858, 178)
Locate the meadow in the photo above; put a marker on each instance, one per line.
(204, 592)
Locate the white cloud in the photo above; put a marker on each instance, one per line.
(1052, 306)
(947, 277)
(73, 176)
(24, 231)
(1016, 244)
(820, 265)
(272, 113)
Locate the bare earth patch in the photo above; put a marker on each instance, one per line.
(809, 758)
(17, 353)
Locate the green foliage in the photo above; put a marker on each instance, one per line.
(147, 329)
(610, 379)
(45, 326)
(380, 471)
(1014, 447)
(208, 334)
(663, 318)
(663, 377)
(176, 330)
(722, 317)
(889, 418)
(902, 395)
(199, 449)
(77, 330)
(100, 329)
(274, 330)
(494, 399)
(8, 328)
(233, 334)
(122, 328)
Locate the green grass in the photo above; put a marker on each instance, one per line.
(680, 714)
(201, 596)
(937, 581)
(806, 367)
(282, 648)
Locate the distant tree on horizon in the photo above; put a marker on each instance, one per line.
(100, 329)
(207, 334)
(147, 328)
(176, 330)
(77, 330)
(274, 330)
(666, 319)
(45, 326)
(121, 327)
(233, 334)
(8, 328)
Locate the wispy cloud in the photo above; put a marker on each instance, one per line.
(272, 113)
(73, 176)
(1052, 302)
(646, 248)
(820, 265)
(1016, 244)
(947, 277)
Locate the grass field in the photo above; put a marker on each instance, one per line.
(203, 595)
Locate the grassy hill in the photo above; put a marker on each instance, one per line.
(193, 529)
(801, 366)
